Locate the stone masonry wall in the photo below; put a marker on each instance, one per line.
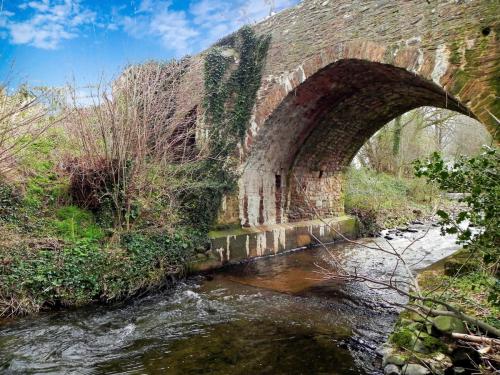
(337, 71)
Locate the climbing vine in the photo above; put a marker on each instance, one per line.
(230, 92)
(233, 72)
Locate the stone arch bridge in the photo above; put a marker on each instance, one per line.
(336, 72)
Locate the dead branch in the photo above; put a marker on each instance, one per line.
(130, 136)
(476, 339)
(340, 273)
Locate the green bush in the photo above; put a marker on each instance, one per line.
(478, 178)
(382, 197)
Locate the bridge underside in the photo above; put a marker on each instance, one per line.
(295, 169)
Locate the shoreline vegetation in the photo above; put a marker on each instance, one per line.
(55, 254)
(438, 344)
(101, 202)
(451, 323)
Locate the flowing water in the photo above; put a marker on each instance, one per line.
(274, 315)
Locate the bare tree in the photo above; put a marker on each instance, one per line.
(417, 134)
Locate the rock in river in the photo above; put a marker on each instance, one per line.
(414, 369)
(391, 370)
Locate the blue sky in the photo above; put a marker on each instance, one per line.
(53, 42)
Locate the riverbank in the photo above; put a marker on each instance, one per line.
(55, 253)
(45, 273)
(423, 344)
(383, 201)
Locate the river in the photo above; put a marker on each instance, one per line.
(274, 315)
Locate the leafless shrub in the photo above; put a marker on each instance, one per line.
(90, 181)
(24, 116)
(128, 138)
(407, 286)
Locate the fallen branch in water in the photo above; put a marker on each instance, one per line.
(393, 285)
(402, 287)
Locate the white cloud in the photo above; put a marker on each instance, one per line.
(47, 22)
(154, 18)
(202, 24)
(174, 30)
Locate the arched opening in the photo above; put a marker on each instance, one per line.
(294, 170)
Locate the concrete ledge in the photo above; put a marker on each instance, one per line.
(246, 243)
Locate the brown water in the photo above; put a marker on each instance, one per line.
(271, 316)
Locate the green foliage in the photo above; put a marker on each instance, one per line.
(471, 290)
(433, 344)
(83, 271)
(371, 195)
(51, 276)
(10, 201)
(44, 185)
(230, 93)
(404, 338)
(478, 225)
(200, 187)
(74, 223)
(478, 178)
(411, 336)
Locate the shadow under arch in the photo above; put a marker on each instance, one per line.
(299, 153)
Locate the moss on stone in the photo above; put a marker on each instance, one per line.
(455, 52)
(403, 338)
(460, 80)
(433, 344)
(227, 232)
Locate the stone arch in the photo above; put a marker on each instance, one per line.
(309, 123)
